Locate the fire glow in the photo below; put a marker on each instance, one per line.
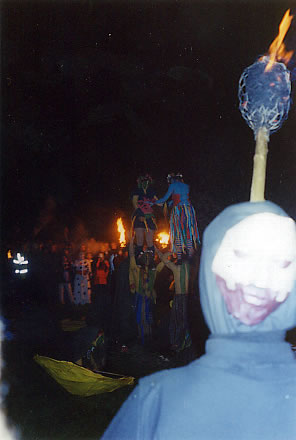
(277, 49)
(163, 239)
(121, 231)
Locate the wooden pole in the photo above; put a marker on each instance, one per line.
(259, 167)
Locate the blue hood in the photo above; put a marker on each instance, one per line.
(214, 308)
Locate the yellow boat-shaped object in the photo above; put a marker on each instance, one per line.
(79, 380)
(70, 325)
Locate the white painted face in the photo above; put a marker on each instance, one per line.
(255, 266)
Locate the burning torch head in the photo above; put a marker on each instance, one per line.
(264, 95)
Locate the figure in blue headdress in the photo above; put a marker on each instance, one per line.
(184, 234)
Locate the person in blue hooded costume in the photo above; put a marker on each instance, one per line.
(244, 386)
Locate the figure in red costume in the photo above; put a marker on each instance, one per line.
(143, 220)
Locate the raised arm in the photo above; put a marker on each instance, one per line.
(164, 257)
(166, 196)
(160, 254)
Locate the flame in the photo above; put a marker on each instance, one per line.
(121, 230)
(163, 238)
(9, 254)
(277, 49)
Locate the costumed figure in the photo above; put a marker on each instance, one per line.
(184, 234)
(244, 386)
(101, 299)
(124, 326)
(142, 280)
(82, 286)
(143, 219)
(179, 326)
(65, 285)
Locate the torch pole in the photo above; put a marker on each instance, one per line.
(259, 168)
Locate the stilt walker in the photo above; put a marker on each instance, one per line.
(184, 236)
(143, 219)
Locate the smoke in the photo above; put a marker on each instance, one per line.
(80, 236)
(94, 246)
(46, 215)
(80, 231)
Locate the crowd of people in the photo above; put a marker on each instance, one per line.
(129, 301)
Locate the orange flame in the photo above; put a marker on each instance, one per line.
(277, 49)
(121, 230)
(163, 238)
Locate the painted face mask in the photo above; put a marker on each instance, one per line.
(255, 266)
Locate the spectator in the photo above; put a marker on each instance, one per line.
(65, 285)
(179, 328)
(101, 300)
(82, 287)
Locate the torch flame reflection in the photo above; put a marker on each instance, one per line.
(121, 230)
(277, 49)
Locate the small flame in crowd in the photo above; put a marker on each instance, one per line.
(9, 254)
(163, 238)
(121, 231)
(277, 49)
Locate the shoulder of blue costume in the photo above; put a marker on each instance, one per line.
(164, 376)
(181, 185)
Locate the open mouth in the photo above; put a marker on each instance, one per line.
(256, 296)
(249, 304)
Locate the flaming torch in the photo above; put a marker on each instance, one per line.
(264, 101)
(121, 231)
(163, 239)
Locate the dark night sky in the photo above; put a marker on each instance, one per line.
(95, 93)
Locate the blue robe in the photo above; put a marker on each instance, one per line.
(243, 388)
(183, 226)
(177, 188)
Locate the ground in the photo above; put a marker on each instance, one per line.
(37, 405)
